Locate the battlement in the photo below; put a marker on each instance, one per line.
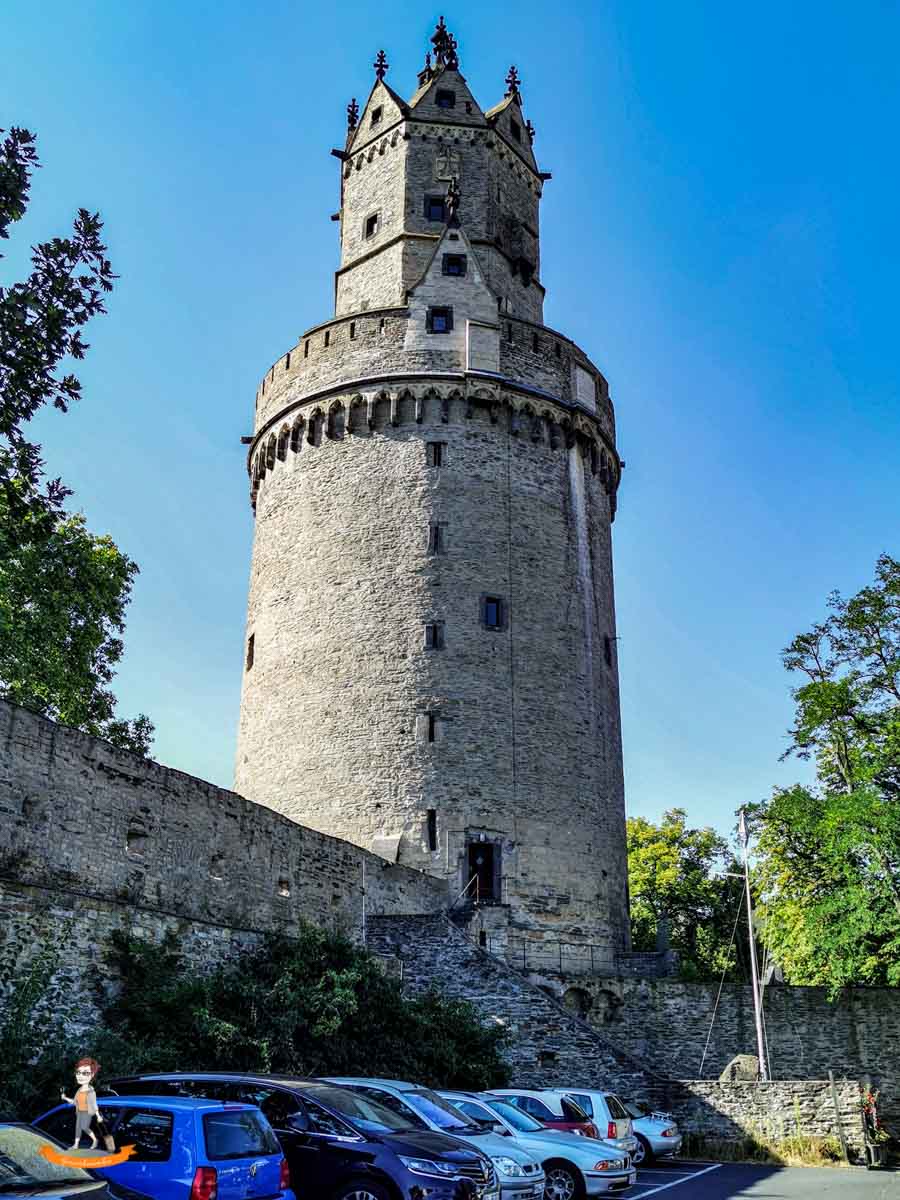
(369, 349)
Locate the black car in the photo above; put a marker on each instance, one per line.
(340, 1146)
(24, 1172)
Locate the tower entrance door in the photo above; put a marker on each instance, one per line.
(484, 867)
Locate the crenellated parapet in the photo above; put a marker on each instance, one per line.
(372, 347)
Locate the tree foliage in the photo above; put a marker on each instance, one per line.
(829, 855)
(677, 874)
(310, 1005)
(63, 591)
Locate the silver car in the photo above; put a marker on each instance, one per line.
(656, 1132)
(520, 1174)
(574, 1165)
(608, 1113)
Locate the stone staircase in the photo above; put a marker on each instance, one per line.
(550, 1046)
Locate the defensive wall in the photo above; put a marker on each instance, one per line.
(93, 839)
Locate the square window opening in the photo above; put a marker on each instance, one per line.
(435, 208)
(377, 114)
(493, 612)
(372, 225)
(446, 98)
(352, 330)
(434, 636)
(327, 337)
(434, 453)
(455, 264)
(440, 320)
(516, 130)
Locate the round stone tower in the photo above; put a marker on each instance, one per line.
(430, 664)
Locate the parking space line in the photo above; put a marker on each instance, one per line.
(684, 1179)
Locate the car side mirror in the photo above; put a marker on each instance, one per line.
(298, 1122)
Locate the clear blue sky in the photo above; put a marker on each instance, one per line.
(721, 234)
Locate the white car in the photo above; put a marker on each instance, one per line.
(608, 1113)
(574, 1165)
(656, 1132)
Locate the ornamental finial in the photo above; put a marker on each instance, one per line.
(445, 46)
(352, 115)
(530, 130)
(512, 85)
(381, 65)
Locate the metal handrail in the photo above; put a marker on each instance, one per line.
(474, 880)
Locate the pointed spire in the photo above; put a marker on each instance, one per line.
(445, 46)
(381, 65)
(352, 115)
(512, 85)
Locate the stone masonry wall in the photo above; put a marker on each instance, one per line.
(550, 1046)
(526, 749)
(93, 837)
(666, 1024)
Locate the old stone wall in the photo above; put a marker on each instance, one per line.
(666, 1024)
(778, 1110)
(94, 838)
(551, 1046)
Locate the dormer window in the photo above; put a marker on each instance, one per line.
(377, 114)
(454, 264)
(372, 225)
(516, 130)
(435, 208)
(445, 98)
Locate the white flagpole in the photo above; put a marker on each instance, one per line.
(754, 970)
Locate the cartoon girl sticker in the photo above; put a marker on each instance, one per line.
(85, 1100)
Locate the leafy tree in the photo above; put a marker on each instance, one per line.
(829, 855)
(676, 873)
(63, 591)
(313, 1004)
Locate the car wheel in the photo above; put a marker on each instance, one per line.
(643, 1155)
(362, 1189)
(564, 1182)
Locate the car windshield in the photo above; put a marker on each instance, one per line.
(439, 1112)
(24, 1169)
(637, 1110)
(617, 1109)
(367, 1115)
(515, 1117)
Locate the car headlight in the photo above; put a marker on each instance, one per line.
(611, 1164)
(507, 1166)
(426, 1166)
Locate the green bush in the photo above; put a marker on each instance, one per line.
(314, 1004)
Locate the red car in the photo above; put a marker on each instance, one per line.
(553, 1111)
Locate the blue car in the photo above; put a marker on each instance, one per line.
(187, 1149)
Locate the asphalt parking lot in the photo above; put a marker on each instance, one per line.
(683, 1180)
